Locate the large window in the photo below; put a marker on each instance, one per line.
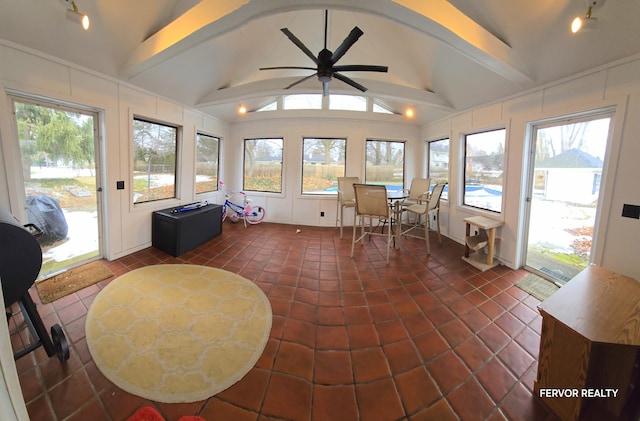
(385, 163)
(483, 166)
(263, 165)
(323, 161)
(438, 166)
(207, 158)
(155, 147)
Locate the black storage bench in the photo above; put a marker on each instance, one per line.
(176, 233)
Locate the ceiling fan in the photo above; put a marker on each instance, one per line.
(326, 60)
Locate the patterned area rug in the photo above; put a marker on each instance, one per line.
(72, 280)
(177, 333)
(537, 286)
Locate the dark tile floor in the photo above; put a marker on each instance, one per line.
(420, 338)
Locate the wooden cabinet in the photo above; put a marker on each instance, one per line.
(176, 233)
(589, 347)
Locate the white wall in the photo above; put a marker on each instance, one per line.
(616, 85)
(127, 227)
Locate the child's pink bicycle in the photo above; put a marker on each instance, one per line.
(251, 214)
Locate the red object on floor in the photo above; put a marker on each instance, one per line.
(147, 413)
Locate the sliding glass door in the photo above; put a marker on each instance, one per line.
(59, 157)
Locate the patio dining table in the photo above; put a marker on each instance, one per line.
(395, 198)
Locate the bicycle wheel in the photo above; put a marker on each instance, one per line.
(256, 216)
(224, 213)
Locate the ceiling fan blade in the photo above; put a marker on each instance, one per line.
(360, 68)
(287, 67)
(350, 82)
(300, 81)
(299, 44)
(346, 44)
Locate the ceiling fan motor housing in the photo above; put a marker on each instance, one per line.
(326, 60)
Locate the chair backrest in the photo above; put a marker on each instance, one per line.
(434, 200)
(345, 189)
(419, 187)
(371, 200)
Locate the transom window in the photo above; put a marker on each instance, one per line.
(155, 148)
(323, 161)
(347, 102)
(263, 165)
(483, 166)
(377, 108)
(269, 107)
(385, 163)
(302, 102)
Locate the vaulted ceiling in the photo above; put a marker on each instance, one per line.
(443, 56)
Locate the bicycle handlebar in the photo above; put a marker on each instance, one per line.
(228, 193)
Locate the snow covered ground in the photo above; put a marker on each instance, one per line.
(82, 237)
(550, 221)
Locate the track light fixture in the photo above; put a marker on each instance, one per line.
(74, 15)
(587, 22)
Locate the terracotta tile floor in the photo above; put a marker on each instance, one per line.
(421, 338)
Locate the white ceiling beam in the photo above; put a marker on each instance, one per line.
(189, 29)
(437, 18)
(462, 33)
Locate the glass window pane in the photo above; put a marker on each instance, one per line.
(323, 161)
(438, 169)
(483, 165)
(269, 107)
(263, 165)
(377, 108)
(155, 147)
(303, 102)
(347, 102)
(385, 163)
(207, 157)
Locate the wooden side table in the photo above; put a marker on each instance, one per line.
(590, 347)
(485, 238)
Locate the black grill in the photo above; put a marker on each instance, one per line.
(20, 263)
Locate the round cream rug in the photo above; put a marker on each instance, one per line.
(177, 333)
